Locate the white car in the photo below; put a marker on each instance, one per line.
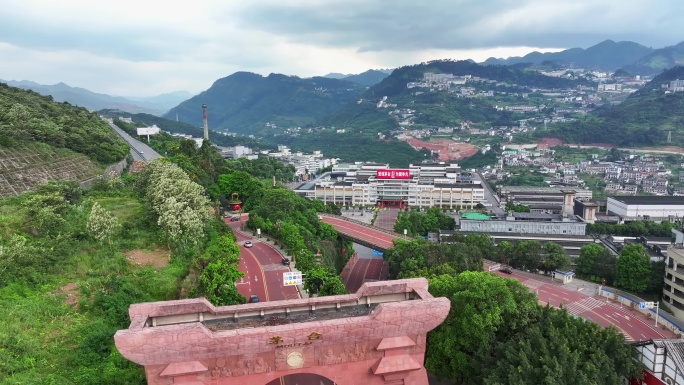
(248, 244)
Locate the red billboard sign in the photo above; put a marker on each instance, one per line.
(392, 173)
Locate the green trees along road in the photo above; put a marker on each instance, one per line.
(496, 333)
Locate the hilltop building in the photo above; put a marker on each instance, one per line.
(422, 185)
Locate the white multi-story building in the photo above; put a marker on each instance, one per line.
(422, 185)
(677, 85)
(303, 163)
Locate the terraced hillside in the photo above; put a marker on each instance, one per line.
(23, 167)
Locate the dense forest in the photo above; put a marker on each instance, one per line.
(28, 116)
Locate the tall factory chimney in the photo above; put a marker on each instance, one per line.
(204, 121)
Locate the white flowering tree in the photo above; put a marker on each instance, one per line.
(102, 224)
(180, 204)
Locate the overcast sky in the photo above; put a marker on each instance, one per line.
(145, 47)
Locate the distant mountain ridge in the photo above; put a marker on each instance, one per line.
(607, 55)
(246, 102)
(658, 60)
(368, 78)
(93, 101)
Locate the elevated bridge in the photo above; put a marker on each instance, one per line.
(361, 233)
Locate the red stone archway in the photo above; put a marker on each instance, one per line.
(302, 379)
(372, 337)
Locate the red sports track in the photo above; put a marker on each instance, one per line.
(634, 325)
(263, 269)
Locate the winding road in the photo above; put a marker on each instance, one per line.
(263, 268)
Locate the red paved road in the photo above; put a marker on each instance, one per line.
(582, 304)
(364, 269)
(376, 237)
(263, 269)
(595, 309)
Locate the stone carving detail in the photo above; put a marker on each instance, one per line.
(242, 366)
(359, 351)
(295, 357)
(329, 358)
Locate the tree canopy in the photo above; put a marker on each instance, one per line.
(496, 333)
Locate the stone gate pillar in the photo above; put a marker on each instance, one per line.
(374, 336)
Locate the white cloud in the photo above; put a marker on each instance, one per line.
(145, 47)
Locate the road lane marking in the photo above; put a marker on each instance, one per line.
(263, 277)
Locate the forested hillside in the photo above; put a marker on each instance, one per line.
(26, 116)
(643, 119)
(658, 60)
(244, 102)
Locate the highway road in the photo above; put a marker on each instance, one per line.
(139, 150)
(263, 268)
(582, 303)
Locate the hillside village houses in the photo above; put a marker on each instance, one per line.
(639, 174)
(304, 164)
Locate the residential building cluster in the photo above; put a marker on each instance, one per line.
(634, 175)
(305, 165)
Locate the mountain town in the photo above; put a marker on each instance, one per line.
(423, 220)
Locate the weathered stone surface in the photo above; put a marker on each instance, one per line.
(174, 340)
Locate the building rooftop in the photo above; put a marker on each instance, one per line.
(538, 216)
(475, 216)
(649, 200)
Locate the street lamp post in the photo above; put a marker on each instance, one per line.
(405, 231)
(259, 233)
(657, 306)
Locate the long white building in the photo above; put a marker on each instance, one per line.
(421, 185)
(656, 208)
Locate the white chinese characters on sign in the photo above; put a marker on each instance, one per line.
(393, 174)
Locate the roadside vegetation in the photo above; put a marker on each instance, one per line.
(496, 332)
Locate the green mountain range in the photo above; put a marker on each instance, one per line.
(248, 103)
(644, 119)
(658, 60)
(368, 78)
(607, 55)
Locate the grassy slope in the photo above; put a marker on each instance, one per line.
(45, 340)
